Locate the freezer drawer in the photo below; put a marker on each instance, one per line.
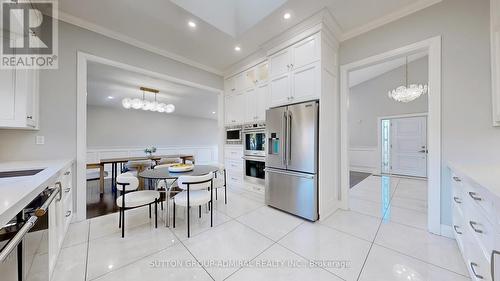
(292, 192)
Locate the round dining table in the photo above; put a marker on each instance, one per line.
(164, 174)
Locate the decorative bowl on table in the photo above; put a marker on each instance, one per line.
(179, 168)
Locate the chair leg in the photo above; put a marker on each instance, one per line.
(173, 206)
(188, 209)
(225, 194)
(123, 223)
(199, 211)
(216, 191)
(149, 210)
(120, 218)
(156, 213)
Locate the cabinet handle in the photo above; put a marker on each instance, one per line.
(493, 253)
(67, 190)
(473, 226)
(67, 173)
(474, 196)
(291, 66)
(473, 267)
(457, 179)
(457, 200)
(456, 227)
(29, 117)
(68, 213)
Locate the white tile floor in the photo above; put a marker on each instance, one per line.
(381, 238)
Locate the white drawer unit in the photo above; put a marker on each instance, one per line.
(476, 226)
(233, 153)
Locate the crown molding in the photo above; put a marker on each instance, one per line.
(408, 10)
(134, 42)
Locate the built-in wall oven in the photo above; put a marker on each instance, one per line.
(233, 134)
(254, 139)
(255, 169)
(24, 241)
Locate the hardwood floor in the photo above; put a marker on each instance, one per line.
(97, 206)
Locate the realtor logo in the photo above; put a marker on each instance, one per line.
(29, 35)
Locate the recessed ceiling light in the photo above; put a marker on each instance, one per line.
(110, 97)
(237, 48)
(287, 16)
(191, 24)
(213, 112)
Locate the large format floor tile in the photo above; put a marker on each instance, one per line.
(354, 223)
(229, 242)
(197, 225)
(271, 222)
(422, 245)
(280, 264)
(386, 265)
(237, 205)
(408, 203)
(406, 217)
(174, 263)
(77, 233)
(111, 252)
(345, 253)
(71, 263)
(368, 207)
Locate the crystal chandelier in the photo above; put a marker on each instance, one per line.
(410, 92)
(147, 105)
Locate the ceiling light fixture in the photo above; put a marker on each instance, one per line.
(408, 93)
(110, 97)
(213, 112)
(191, 24)
(237, 48)
(147, 105)
(287, 16)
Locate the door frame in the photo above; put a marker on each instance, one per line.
(81, 118)
(379, 134)
(432, 47)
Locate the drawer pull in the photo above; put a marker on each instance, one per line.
(474, 196)
(456, 227)
(493, 264)
(473, 225)
(457, 179)
(68, 213)
(473, 267)
(67, 190)
(456, 199)
(67, 173)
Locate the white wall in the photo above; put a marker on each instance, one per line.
(58, 92)
(467, 134)
(368, 101)
(112, 127)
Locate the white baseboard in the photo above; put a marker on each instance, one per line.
(447, 231)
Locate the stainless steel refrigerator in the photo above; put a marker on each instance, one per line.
(292, 159)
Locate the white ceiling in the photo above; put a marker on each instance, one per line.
(104, 81)
(359, 76)
(161, 25)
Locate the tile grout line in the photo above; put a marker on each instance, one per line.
(87, 252)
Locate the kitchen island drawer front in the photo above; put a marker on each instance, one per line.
(480, 229)
(478, 266)
(458, 226)
(478, 196)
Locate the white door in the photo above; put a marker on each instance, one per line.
(409, 146)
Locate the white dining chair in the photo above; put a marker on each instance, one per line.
(196, 191)
(130, 198)
(220, 182)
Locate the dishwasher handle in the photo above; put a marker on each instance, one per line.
(17, 238)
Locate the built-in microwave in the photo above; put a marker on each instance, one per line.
(233, 135)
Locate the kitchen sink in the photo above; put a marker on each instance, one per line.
(21, 173)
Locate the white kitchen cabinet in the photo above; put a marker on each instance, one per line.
(229, 86)
(495, 59)
(250, 105)
(239, 83)
(262, 72)
(234, 166)
(249, 79)
(295, 72)
(19, 99)
(262, 101)
(234, 108)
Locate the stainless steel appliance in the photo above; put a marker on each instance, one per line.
(255, 139)
(292, 159)
(24, 241)
(233, 134)
(255, 169)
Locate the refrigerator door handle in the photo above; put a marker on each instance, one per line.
(285, 137)
(289, 139)
(289, 173)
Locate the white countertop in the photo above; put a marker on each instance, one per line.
(17, 192)
(486, 175)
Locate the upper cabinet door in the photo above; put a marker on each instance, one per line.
(249, 78)
(279, 63)
(238, 110)
(306, 83)
(229, 86)
(239, 83)
(228, 109)
(7, 96)
(305, 52)
(262, 72)
(262, 98)
(250, 105)
(279, 90)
